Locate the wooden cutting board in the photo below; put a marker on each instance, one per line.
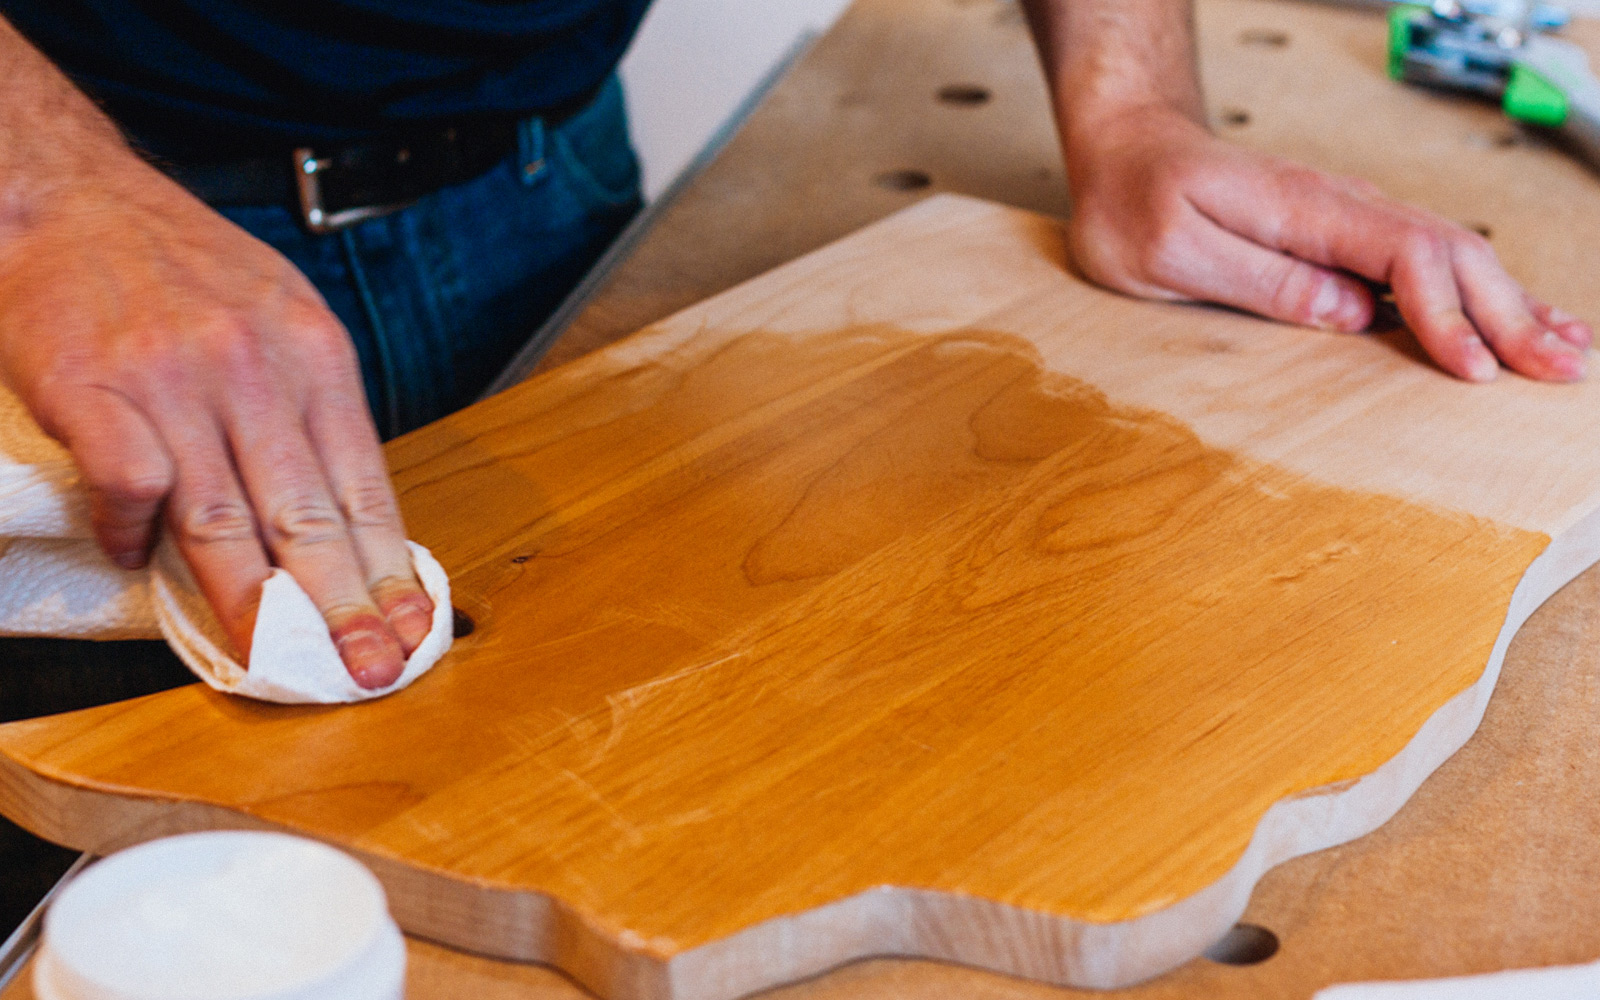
(915, 598)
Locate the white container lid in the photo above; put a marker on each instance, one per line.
(222, 916)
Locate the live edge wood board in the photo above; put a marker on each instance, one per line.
(914, 598)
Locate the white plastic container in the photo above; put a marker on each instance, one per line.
(222, 916)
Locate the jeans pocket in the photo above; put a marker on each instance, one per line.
(592, 152)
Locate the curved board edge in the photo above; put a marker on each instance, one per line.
(890, 920)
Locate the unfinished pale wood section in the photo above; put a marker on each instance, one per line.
(886, 605)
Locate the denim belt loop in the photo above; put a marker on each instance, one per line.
(530, 150)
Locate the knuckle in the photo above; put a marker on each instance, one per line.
(145, 356)
(371, 503)
(234, 343)
(214, 520)
(1420, 243)
(305, 521)
(319, 336)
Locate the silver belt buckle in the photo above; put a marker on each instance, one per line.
(308, 184)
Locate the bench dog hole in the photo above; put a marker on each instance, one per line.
(1244, 944)
(462, 624)
(1267, 38)
(903, 180)
(965, 95)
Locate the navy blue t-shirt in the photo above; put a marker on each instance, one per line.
(232, 77)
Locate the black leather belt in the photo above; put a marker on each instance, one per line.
(332, 187)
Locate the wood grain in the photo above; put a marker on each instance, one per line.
(874, 607)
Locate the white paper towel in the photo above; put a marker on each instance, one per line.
(292, 657)
(67, 587)
(55, 581)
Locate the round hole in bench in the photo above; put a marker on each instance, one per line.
(462, 623)
(1267, 38)
(903, 180)
(1245, 944)
(964, 95)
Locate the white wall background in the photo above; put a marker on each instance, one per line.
(695, 61)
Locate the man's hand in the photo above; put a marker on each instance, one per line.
(197, 378)
(1163, 209)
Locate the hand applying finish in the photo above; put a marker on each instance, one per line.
(198, 379)
(1162, 209)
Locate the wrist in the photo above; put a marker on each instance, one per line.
(67, 176)
(1091, 128)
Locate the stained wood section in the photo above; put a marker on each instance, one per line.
(870, 607)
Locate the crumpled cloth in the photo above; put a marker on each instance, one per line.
(55, 581)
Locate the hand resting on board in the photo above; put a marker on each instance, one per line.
(1163, 209)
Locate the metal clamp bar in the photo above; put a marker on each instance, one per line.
(22, 943)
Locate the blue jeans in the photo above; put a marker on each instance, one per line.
(440, 296)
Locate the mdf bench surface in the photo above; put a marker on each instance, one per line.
(913, 598)
(1451, 155)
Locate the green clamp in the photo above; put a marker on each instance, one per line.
(1532, 98)
(1401, 17)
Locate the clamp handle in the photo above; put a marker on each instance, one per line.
(1551, 85)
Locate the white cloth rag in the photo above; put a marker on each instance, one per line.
(55, 581)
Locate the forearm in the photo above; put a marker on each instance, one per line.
(1106, 57)
(51, 134)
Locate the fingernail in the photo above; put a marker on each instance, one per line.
(1335, 310)
(371, 655)
(1325, 306)
(1575, 333)
(1482, 365)
(1561, 316)
(411, 622)
(129, 560)
(1562, 356)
